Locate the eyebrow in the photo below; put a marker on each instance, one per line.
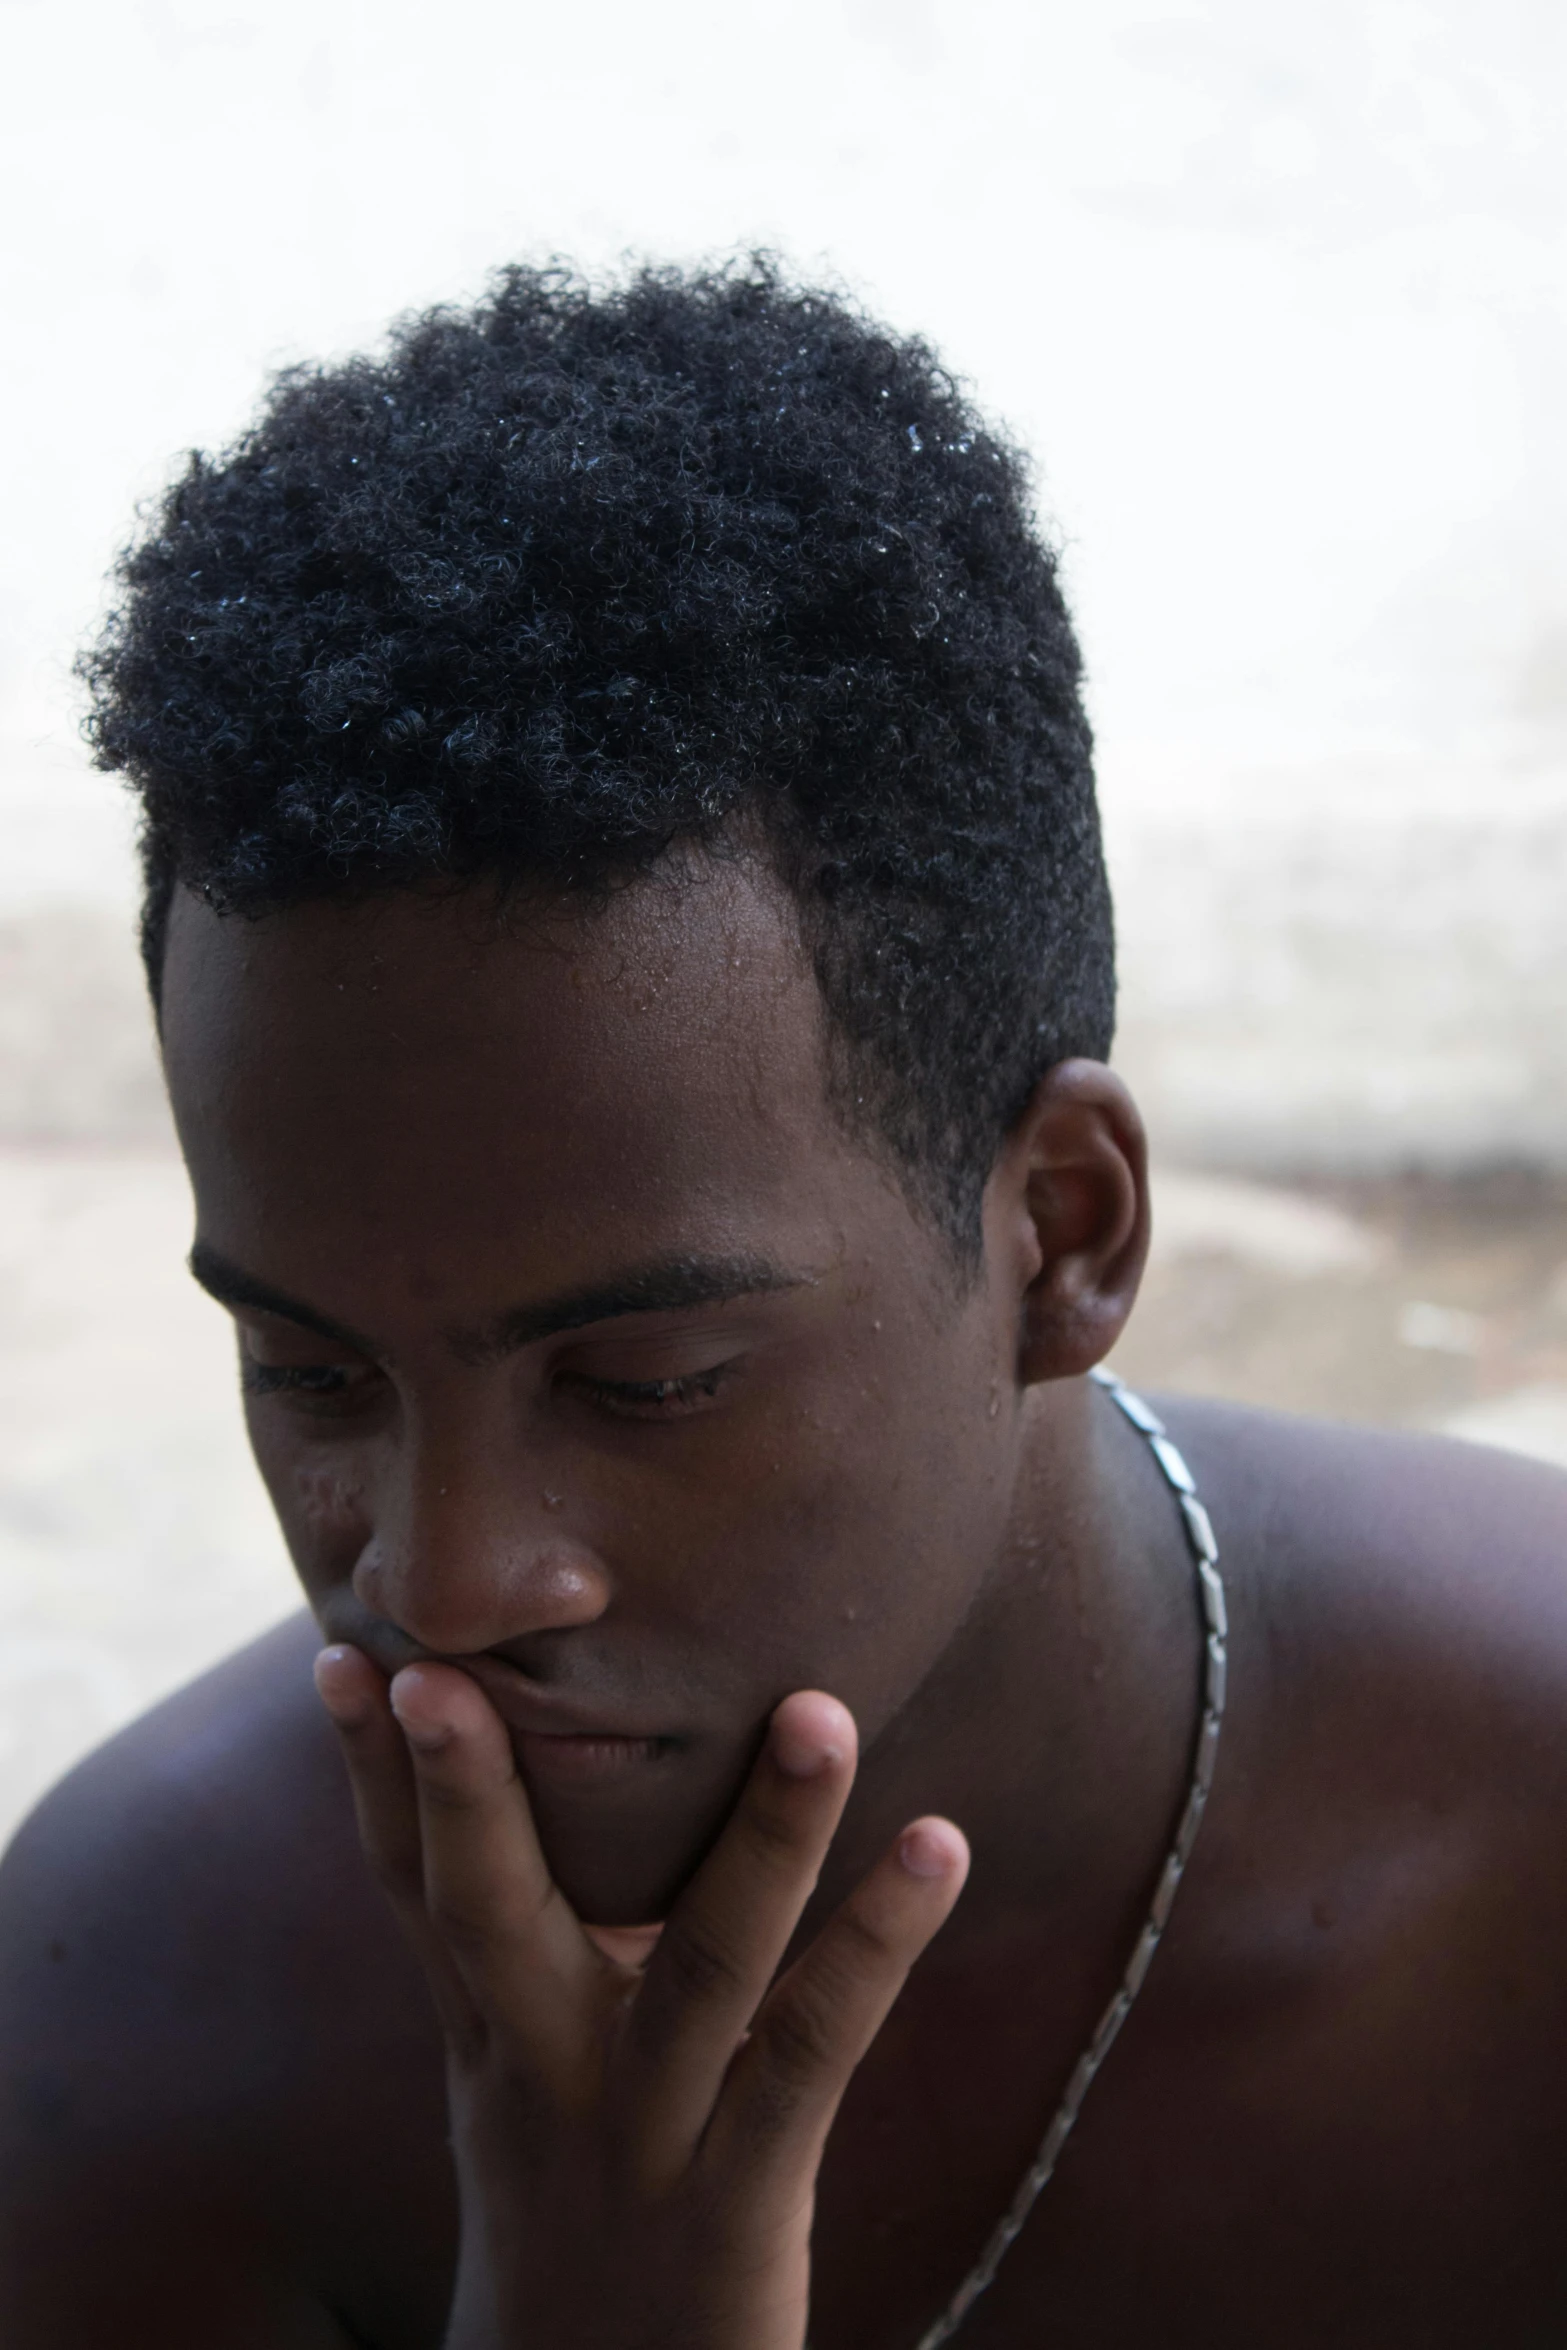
(231, 1285)
(668, 1285)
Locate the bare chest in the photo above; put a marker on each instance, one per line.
(1285, 2178)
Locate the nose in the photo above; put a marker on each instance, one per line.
(469, 1550)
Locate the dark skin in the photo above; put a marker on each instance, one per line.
(639, 1443)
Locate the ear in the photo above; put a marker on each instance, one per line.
(1066, 1219)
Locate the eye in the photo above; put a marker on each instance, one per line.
(293, 1378)
(321, 1388)
(652, 1399)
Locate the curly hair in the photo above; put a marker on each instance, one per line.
(579, 572)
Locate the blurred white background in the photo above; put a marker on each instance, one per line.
(1276, 294)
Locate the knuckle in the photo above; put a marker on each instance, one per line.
(700, 1965)
(773, 1837)
(452, 1791)
(862, 1950)
(463, 1771)
(800, 2044)
(771, 1829)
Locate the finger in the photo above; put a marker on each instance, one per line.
(729, 1930)
(487, 1891)
(386, 1807)
(785, 2086)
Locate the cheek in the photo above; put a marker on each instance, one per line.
(320, 1499)
(844, 1550)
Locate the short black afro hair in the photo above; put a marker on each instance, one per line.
(582, 571)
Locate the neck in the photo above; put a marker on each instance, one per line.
(1057, 1728)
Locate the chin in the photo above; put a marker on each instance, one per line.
(617, 1889)
(625, 1864)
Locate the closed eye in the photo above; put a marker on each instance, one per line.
(328, 1391)
(652, 1399)
(293, 1378)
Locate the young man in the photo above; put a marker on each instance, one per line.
(634, 967)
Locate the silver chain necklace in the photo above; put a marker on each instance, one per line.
(1205, 1556)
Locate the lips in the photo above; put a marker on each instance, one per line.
(585, 1761)
(560, 1739)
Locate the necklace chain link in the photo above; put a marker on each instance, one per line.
(1210, 1591)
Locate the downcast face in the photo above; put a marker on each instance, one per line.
(579, 1344)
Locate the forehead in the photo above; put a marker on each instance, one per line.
(446, 1073)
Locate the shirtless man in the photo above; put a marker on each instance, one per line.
(625, 904)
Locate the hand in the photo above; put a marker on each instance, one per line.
(636, 2149)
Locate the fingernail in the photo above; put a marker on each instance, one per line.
(925, 1852)
(344, 1705)
(427, 1736)
(798, 1754)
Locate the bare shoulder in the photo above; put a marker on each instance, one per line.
(1454, 1555)
(176, 1858)
(1402, 1610)
(1390, 1866)
(199, 1991)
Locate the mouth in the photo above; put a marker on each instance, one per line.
(558, 1740)
(585, 1758)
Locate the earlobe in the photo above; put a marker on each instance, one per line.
(1071, 1194)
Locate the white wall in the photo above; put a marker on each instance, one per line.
(1274, 288)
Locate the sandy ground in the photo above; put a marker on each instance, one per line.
(136, 1545)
